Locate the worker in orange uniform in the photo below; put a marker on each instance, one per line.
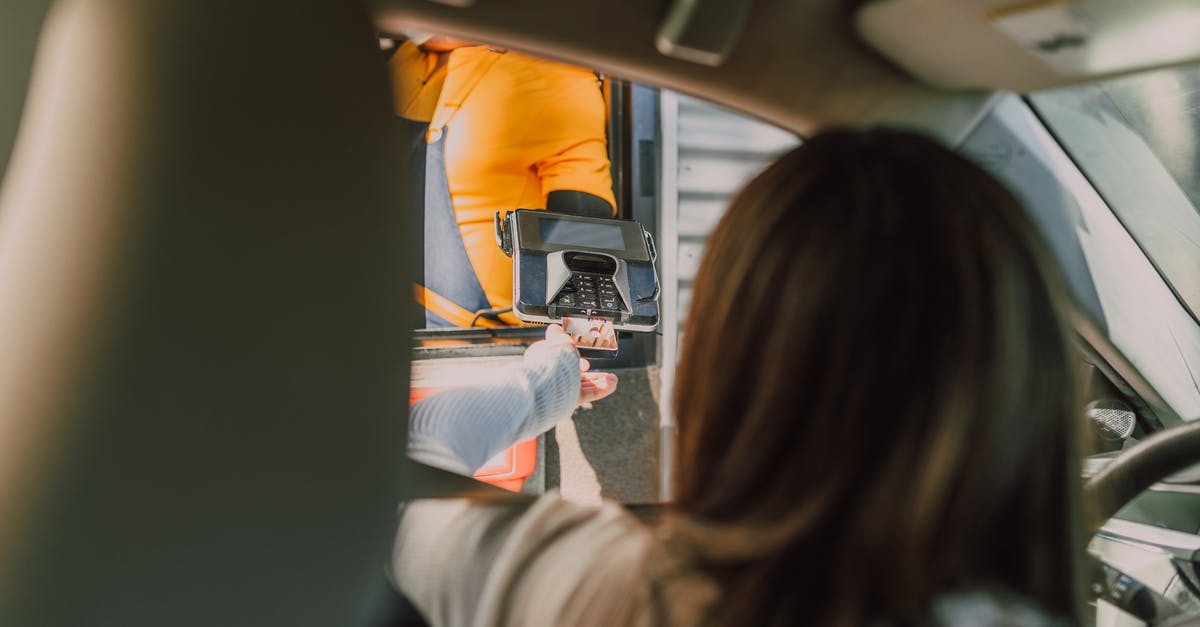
(502, 131)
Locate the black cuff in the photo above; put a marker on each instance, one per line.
(578, 203)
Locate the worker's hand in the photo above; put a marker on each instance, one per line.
(593, 386)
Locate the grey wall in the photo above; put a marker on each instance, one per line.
(709, 152)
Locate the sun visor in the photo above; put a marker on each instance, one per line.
(1029, 45)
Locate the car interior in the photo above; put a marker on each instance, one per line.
(209, 339)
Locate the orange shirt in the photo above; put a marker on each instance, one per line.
(517, 128)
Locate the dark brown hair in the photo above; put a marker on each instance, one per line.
(876, 392)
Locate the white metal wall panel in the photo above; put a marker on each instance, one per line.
(708, 154)
(717, 151)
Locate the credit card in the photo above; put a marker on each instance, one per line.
(591, 333)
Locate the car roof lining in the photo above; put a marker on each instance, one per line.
(850, 62)
(836, 79)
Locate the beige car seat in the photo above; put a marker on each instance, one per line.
(204, 317)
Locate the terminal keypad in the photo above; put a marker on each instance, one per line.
(589, 291)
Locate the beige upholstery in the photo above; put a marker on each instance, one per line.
(204, 319)
(20, 22)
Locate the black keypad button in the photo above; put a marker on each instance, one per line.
(589, 292)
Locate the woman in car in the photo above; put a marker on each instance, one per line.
(876, 426)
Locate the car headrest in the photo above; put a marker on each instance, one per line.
(204, 320)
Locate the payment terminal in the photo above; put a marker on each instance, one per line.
(567, 266)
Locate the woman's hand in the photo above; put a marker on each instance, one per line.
(593, 386)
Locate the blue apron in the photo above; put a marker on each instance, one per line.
(448, 270)
(450, 290)
(442, 264)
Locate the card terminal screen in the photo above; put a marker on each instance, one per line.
(587, 234)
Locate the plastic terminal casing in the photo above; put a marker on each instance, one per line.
(550, 272)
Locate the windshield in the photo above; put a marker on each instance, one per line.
(1137, 139)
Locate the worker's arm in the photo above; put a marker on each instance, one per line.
(569, 147)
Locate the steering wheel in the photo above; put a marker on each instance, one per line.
(1150, 461)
